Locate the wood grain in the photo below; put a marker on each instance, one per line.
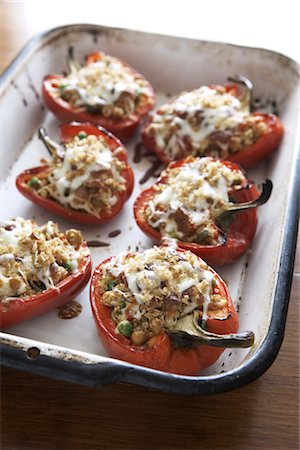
(41, 413)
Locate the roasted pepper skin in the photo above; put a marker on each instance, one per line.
(67, 133)
(20, 310)
(238, 236)
(247, 157)
(64, 111)
(159, 353)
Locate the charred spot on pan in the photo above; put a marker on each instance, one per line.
(138, 152)
(33, 352)
(96, 243)
(14, 84)
(32, 87)
(141, 152)
(94, 34)
(70, 52)
(70, 310)
(151, 171)
(114, 233)
(266, 105)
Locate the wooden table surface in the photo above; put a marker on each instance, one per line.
(41, 413)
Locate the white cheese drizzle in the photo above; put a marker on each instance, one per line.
(146, 271)
(104, 81)
(93, 156)
(11, 232)
(191, 188)
(218, 112)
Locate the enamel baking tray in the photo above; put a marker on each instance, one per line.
(259, 282)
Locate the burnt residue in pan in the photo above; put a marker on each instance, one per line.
(35, 91)
(266, 105)
(153, 171)
(96, 243)
(14, 84)
(94, 34)
(70, 310)
(114, 233)
(70, 52)
(141, 152)
(241, 282)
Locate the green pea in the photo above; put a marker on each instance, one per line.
(82, 135)
(111, 284)
(214, 282)
(34, 183)
(69, 265)
(125, 328)
(62, 87)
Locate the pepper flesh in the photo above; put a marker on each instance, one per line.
(123, 128)
(159, 353)
(67, 133)
(238, 236)
(19, 310)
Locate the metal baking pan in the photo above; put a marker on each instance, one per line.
(259, 282)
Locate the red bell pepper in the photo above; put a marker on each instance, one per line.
(238, 236)
(159, 352)
(67, 133)
(65, 111)
(21, 309)
(247, 157)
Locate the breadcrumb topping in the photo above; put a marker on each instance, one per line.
(35, 258)
(187, 205)
(107, 86)
(88, 177)
(149, 291)
(207, 121)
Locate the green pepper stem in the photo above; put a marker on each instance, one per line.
(53, 148)
(188, 334)
(73, 65)
(182, 339)
(267, 187)
(246, 83)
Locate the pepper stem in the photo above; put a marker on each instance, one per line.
(53, 148)
(267, 188)
(188, 333)
(247, 84)
(73, 65)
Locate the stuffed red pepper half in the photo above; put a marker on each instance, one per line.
(213, 121)
(41, 269)
(165, 309)
(206, 204)
(88, 178)
(105, 91)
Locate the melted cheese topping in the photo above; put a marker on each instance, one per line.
(102, 84)
(88, 178)
(198, 189)
(34, 258)
(186, 125)
(159, 279)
